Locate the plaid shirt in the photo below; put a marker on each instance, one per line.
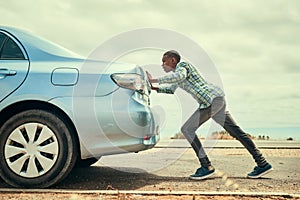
(189, 79)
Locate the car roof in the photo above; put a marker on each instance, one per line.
(38, 48)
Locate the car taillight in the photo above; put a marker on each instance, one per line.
(129, 81)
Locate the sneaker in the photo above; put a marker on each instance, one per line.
(202, 173)
(260, 171)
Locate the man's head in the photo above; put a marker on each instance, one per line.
(170, 60)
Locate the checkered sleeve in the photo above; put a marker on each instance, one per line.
(167, 88)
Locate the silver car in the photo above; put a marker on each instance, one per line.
(58, 110)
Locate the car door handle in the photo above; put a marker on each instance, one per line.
(7, 72)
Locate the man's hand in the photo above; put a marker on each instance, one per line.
(151, 80)
(149, 75)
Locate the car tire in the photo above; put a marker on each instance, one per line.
(85, 162)
(37, 149)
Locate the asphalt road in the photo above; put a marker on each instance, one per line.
(167, 167)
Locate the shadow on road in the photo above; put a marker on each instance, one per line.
(102, 178)
(106, 178)
(126, 178)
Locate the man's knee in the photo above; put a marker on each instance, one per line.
(187, 131)
(188, 134)
(184, 130)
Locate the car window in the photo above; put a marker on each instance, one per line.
(10, 50)
(2, 39)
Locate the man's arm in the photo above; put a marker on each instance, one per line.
(169, 89)
(179, 75)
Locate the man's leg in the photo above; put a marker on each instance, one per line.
(194, 122)
(235, 131)
(189, 131)
(224, 118)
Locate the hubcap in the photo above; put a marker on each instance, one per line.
(31, 150)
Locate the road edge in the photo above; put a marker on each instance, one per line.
(158, 193)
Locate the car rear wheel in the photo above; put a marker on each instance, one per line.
(37, 149)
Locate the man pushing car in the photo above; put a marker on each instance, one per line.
(212, 104)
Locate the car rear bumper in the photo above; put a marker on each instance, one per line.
(151, 141)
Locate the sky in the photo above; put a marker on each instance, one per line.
(254, 45)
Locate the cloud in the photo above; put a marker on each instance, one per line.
(254, 44)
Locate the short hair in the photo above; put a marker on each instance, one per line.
(173, 54)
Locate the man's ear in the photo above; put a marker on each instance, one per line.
(174, 60)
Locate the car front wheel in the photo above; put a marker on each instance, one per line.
(37, 149)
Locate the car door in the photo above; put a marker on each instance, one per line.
(14, 65)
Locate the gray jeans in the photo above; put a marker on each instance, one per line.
(217, 111)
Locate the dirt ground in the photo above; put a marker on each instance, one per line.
(231, 165)
(133, 197)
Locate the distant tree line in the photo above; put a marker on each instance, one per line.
(262, 137)
(178, 136)
(222, 135)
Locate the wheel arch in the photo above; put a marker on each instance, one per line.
(21, 106)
